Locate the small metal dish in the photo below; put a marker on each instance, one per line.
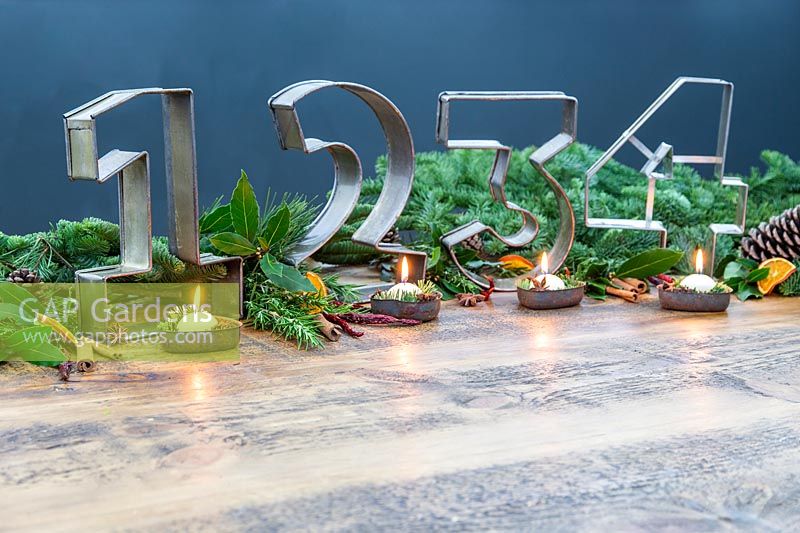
(541, 300)
(216, 340)
(423, 311)
(697, 302)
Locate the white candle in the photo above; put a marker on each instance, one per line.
(404, 287)
(551, 282)
(698, 282)
(198, 320)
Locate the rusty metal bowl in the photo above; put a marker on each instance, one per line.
(424, 311)
(697, 302)
(550, 299)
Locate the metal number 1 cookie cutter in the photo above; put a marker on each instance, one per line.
(133, 170)
(497, 178)
(664, 157)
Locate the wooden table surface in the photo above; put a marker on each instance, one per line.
(606, 417)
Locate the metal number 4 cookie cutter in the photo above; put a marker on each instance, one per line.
(348, 174)
(663, 157)
(497, 178)
(133, 170)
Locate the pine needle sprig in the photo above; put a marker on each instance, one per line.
(791, 287)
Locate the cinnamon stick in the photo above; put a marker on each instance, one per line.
(625, 295)
(86, 365)
(331, 331)
(638, 285)
(624, 285)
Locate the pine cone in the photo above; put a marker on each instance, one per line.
(780, 237)
(23, 275)
(392, 236)
(474, 243)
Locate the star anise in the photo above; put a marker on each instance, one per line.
(533, 284)
(117, 333)
(470, 300)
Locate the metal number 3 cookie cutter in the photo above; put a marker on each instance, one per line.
(497, 178)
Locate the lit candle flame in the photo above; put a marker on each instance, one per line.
(544, 264)
(404, 270)
(698, 261)
(197, 299)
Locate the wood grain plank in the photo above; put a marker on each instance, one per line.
(612, 416)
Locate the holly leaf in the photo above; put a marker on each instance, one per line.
(596, 288)
(277, 226)
(749, 264)
(285, 276)
(757, 275)
(733, 282)
(734, 270)
(232, 244)
(719, 272)
(216, 220)
(746, 291)
(591, 269)
(445, 292)
(649, 263)
(244, 209)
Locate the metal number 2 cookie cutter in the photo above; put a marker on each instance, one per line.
(347, 173)
(133, 170)
(664, 157)
(497, 178)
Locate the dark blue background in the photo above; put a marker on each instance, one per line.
(615, 56)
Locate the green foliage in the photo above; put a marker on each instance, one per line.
(279, 297)
(339, 291)
(217, 218)
(259, 238)
(597, 273)
(244, 210)
(284, 276)
(68, 246)
(277, 227)
(791, 287)
(426, 287)
(649, 263)
(742, 276)
(531, 284)
(232, 243)
(395, 295)
(286, 313)
(450, 189)
(20, 339)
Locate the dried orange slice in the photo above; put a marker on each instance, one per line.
(317, 282)
(516, 262)
(322, 290)
(779, 271)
